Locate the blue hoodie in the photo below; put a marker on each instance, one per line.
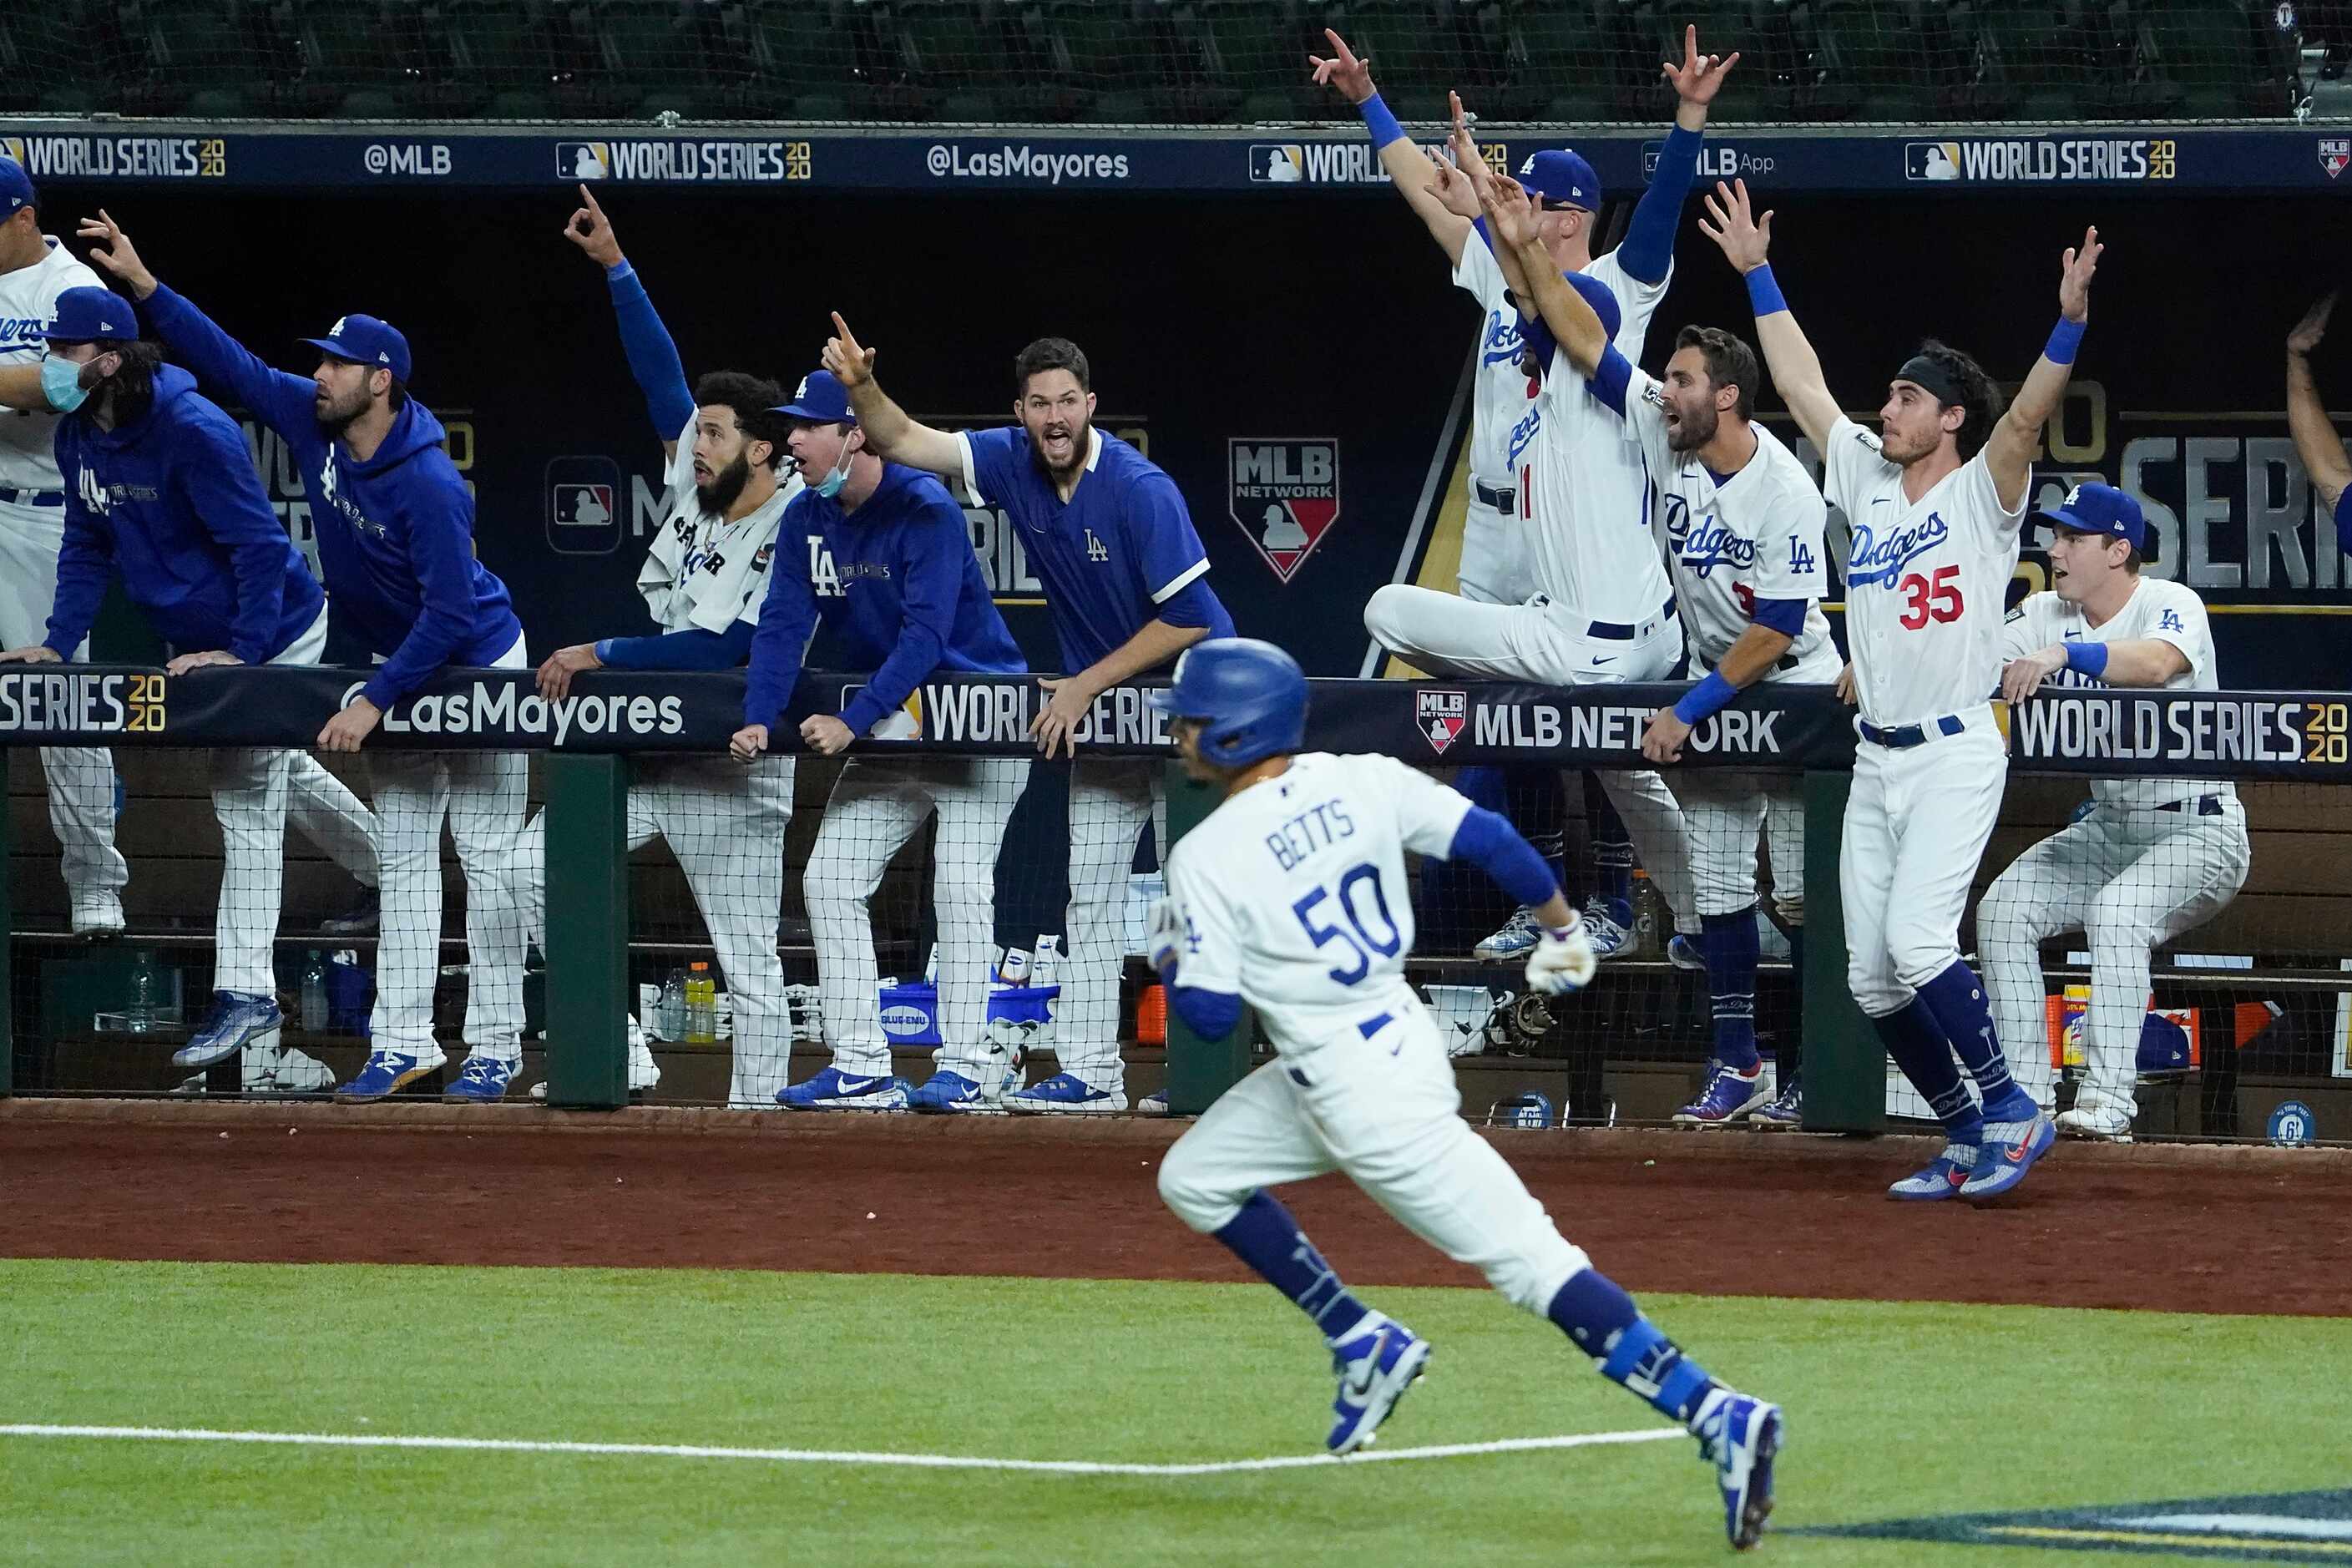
(895, 581)
(395, 533)
(173, 503)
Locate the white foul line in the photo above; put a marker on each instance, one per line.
(829, 1457)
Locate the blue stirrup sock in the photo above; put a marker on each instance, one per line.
(1265, 1236)
(1602, 1322)
(1956, 998)
(1920, 1049)
(1612, 845)
(1730, 944)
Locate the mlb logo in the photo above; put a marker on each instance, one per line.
(1285, 495)
(583, 161)
(1440, 715)
(1931, 160)
(2334, 152)
(585, 500)
(1276, 162)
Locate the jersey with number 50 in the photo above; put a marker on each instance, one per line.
(1293, 893)
(1926, 583)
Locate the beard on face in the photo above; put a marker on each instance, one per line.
(725, 488)
(1077, 436)
(1894, 450)
(1694, 426)
(336, 413)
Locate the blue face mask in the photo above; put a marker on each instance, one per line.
(61, 383)
(830, 486)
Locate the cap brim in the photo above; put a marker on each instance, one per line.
(2069, 521)
(340, 351)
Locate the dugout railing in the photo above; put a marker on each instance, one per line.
(2262, 982)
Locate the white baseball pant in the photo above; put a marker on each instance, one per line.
(253, 791)
(484, 796)
(875, 808)
(725, 824)
(1545, 643)
(1111, 802)
(81, 778)
(2129, 879)
(1730, 811)
(1385, 1111)
(1493, 567)
(1916, 827)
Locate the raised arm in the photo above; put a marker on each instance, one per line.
(2315, 440)
(645, 341)
(1648, 252)
(1746, 241)
(890, 433)
(1413, 172)
(2009, 452)
(1573, 324)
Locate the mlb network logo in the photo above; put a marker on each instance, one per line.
(2335, 152)
(583, 160)
(1278, 163)
(1931, 160)
(1440, 716)
(1285, 495)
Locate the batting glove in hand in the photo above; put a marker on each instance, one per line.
(1167, 938)
(1562, 961)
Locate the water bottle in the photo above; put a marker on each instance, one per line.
(1014, 970)
(314, 994)
(670, 1011)
(1048, 964)
(146, 993)
(1652, 924)
(701, 1007)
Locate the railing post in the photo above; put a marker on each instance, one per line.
(587, 936)
(1846, 1065)
(1198, 1071)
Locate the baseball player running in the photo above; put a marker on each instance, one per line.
(1744, 524)
(161, 492)
(1291, 896)
(1936, 499)
(1108, 534)
(882, 554)
(2315, 440)
(396, 530)
(727, 484)
(34, 268)
(1603, 611)
(2154, 858)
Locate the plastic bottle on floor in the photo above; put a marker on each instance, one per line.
(701, 1007)
(314, 994)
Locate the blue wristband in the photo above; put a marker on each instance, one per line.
(1380, 122)
(620, 272)
(603, 650)
(1709, 697)
(1764, 292)
(2064, 339)
(2088, 658)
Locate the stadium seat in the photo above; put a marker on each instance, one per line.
(831, 60)
(653, 57)
(504, 64)
(1412, 48)
(1187, 82)
(1759, 84)
(1258, 48)
(1585, 61)
(52, 59)
(2214, 60)
(1105, 51)
(2035, 57)
(187, 47)
(344, 63)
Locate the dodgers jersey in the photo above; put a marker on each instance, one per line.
(1592, 547)
(703, 571)
(1734, 539)
(1119, 548)
(1294, 896)
(2159, 611)
(1927, 583)
(28, 300)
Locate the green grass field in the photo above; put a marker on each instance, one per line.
(1894, 1410)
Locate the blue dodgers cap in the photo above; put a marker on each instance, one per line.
(87, 314)
(16, 188)
(820, 399)
(366, 340)
(1561, 179)
(2101, 510)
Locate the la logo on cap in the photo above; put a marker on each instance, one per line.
(801, 391)
(2074, 496)
(1530, 166)
(337, 329)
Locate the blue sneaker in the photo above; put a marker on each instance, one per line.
(949, 1091)
(2010, 1149)
(483, 1081)
(387, 1071)
(1376, 1365)
(1516, 940)
(1729, 1095)
(1064, 1095)
(1739, 1436)
(1610, 924)
(1943, 1178)
(1685, 952)
(237, 1020)
(1785, 1114)
(833, 1089)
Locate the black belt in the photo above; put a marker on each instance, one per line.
(1786, 661)
(1501, 501)
(32, 498)
(1618, 631)
(1368, 1028)
(2203, 806)
(1906, 735)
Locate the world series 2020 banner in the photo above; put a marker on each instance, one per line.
(2270, 734)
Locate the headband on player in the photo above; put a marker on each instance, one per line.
(1921, 371)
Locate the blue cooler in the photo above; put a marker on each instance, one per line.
(910, 1014)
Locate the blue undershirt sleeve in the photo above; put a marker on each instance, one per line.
(1490, 843)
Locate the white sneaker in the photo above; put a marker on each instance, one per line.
(97, 914)
(2105, 1126)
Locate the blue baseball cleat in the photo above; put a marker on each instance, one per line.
(1729, 1095)
(1375, 1366)
(949, 1091)
(1738, 1435)
(385, 1072)
(1516, 940)
(1788, 1112)
(1609, 922)
(482, 1081)
(1943, 1178)
(1064, 1094)
(237, 1021)
(833, 1089)
(1685, 952)
(2010, 1149)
